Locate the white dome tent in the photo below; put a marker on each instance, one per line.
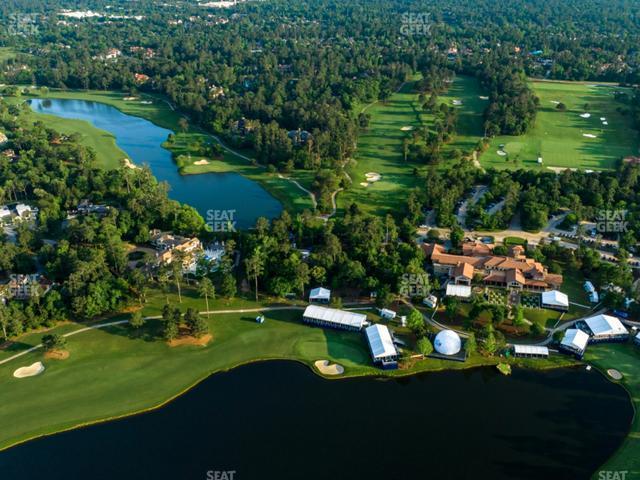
(447, 342)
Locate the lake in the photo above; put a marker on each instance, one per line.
(142, 140)
(277, 420)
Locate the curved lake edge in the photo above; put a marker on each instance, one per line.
(379, 376)
(267, 199)
(274, 360)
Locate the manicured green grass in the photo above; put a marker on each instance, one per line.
(160, 113)
(512, 241)
(380, 146)
(626, 359)
(118, 371)
(558, 136)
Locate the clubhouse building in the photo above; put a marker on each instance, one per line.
(477, 261)
(333, 318)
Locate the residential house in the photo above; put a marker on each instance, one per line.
(3, 139)
(168, 244)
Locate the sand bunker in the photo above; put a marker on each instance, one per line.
(457, 102)
(482, 97)
(372, 177)
(585, 115)
(146, 102)
(364, 184)
(129, 164)
(327, 368)
(605, 123)
(129, 99)
(30, 371)
(502, 153)
(589, 135)
(201, 162)
(406, 129)
(555, 102)
(602, 119)
(615, 374)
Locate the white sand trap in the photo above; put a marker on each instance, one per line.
(327, 368)
(555, 102)
(201, 162)
(502, 153)
(406, 129)
(364, 184)
(605, 123)
(146, 102)
(482, 97)
(129, 164)
(615, 374)
(30, 371)
(589, 135)
(130, 99)
(457, 102)
(585, 115)
(372, 177)
(602, 119)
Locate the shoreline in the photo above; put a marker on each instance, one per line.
(346, 376)
(288, 202)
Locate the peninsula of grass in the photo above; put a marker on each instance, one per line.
(380, 145)
(625, 358)
(123, 371)
(568, 138)
(160, 112)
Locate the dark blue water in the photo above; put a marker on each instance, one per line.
(279, 421)
(142, 141)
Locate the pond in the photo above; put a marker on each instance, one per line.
(277, 420)
(221, 194)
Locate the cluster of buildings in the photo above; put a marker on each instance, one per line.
(478, 263)
(596, 329)
(18, 212)
(379, 338)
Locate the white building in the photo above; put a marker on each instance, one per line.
(555, 300)
(320, 295)
(458, 291)
(387, 314)
(574, 341)
(383, 351)
(606, 327)
(4, 212)
(530, 351)
(333, 318)
(430, 301)
(23, 211)
(447, 342)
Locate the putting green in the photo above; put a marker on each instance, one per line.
(562, 138)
